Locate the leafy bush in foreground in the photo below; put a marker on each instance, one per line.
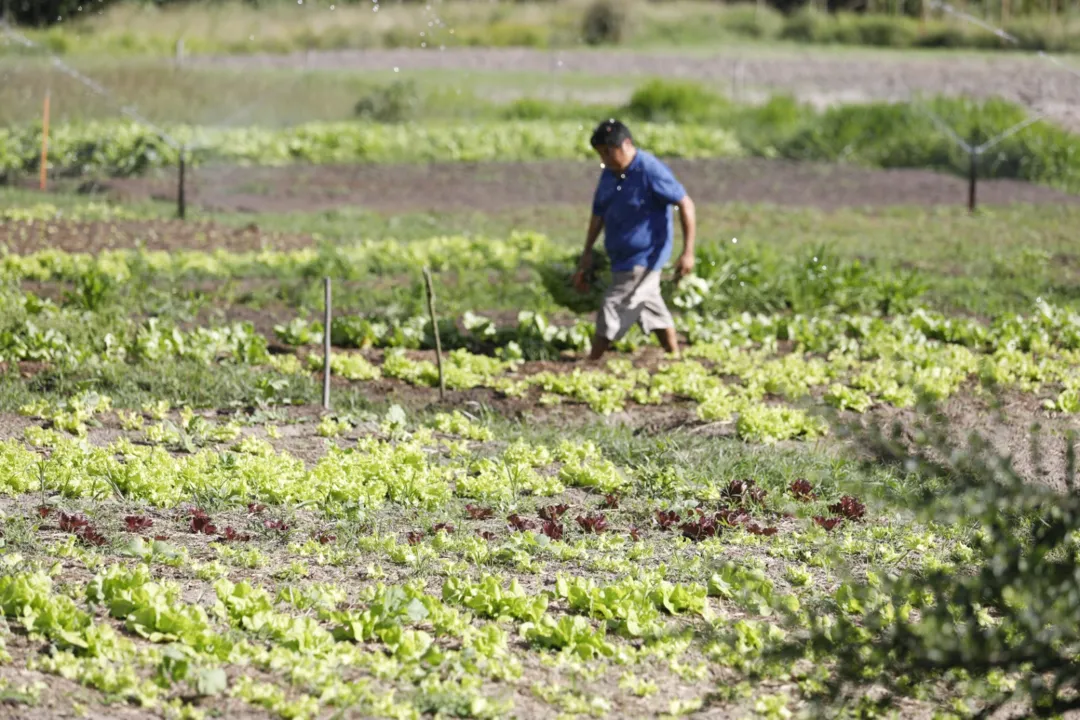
(1004, 628)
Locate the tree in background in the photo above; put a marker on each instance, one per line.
(47, 12)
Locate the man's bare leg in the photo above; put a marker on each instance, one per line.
(669, 340)
(600, 345)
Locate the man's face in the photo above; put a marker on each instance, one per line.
(617, 157)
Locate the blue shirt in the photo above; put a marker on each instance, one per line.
(636, 209)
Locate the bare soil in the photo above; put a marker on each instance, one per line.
(495, 186)
(90, 237)
(1014, 425)
(822, 77)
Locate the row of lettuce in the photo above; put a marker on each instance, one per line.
(901, 134)
(734, 371)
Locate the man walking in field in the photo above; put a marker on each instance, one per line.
(632, 206)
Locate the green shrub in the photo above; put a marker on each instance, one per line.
(759, 23)
(48, 12)
(528, 109)
(396, 102)
(397, 37)
(876, 31)
(505, 33)
(898, 135)
(942, 36)
(762, 127)
(1034, 35)
(675, 101)
(808, 26)
(539, 109)
(57, 41)
(606, 22)
(1001, 616)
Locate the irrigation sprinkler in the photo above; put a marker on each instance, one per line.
(17, 37)
(326, 345)
(973, 151)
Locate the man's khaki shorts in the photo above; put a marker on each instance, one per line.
(634, 296)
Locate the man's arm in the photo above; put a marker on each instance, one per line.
(670, 191)
(688, 219)
(581, 277)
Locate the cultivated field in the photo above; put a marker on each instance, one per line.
(850, 495)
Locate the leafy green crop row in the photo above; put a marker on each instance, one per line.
(126, 148)
(343, 261)
(876, 134)
(849, 362)
(732, 373)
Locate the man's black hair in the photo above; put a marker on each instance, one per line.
(610, 133)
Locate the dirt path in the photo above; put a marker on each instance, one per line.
(818, 76)
(488, 187)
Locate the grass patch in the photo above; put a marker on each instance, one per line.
(185, 382)
(275, 97)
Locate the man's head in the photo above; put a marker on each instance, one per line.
(614, 144)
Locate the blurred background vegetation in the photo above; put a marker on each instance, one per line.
(277, 26)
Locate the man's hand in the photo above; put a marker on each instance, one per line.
(684, 266)
(688, 218)
(581, 277)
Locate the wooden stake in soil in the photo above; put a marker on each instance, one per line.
(326, 346)
(435, 330)
(973, 178)
(45, 143)
(181, 195)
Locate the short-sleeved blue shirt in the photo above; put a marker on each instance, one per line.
(636, 209)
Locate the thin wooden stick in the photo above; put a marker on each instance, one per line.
(973, 178)
(45, 144)
(326, 346)
(435, 330)
(181, 189)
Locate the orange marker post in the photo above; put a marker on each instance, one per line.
(45, 145)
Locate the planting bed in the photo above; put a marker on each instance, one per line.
(490, 187)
